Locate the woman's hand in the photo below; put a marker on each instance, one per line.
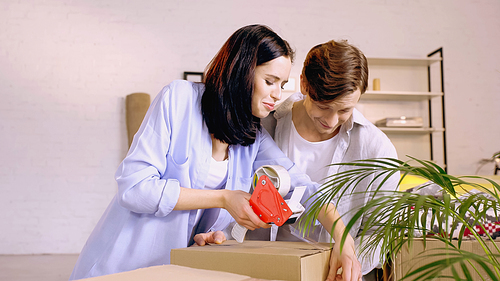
(236, 202)
(216, 237)
(347, 260)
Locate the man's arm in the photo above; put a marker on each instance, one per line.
(347, 259)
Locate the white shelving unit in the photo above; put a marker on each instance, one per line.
(401, 95)
(403, 61)
(410, 87)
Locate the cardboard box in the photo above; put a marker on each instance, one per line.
(170, 272)
(409, 259)
(276, 260)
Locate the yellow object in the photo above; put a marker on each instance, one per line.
(411, 181)
(376, 84)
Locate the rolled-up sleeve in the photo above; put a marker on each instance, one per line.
(141, 188)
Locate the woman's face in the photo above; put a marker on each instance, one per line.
(269, 80)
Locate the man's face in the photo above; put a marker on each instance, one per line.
(327, 117)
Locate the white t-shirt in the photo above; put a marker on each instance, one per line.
(312, 158)
(216, 178)
(216, 174)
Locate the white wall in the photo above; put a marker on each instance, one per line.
(66, 66)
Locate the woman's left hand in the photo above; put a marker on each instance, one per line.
(216, 237)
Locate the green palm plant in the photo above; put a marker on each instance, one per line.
(393, 219)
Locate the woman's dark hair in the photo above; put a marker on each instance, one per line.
(334, 69)
(227, 101)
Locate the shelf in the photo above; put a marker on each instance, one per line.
(410, 130)
(407, 74)
(403, 61)
(400, 95)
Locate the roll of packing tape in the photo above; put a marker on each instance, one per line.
(278, 175)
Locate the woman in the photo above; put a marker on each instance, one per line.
(190, 165)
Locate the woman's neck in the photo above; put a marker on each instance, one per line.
(219, 149)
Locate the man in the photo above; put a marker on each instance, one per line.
(320, 125)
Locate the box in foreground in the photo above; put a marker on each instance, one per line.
(170, 272)
(276, 260)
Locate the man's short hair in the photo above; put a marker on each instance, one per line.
(334, 69)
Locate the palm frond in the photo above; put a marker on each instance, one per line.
(496, 155)
(395, 218)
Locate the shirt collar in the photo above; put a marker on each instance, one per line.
(357, 118)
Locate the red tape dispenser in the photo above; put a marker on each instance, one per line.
(270, 184)
(267, 203)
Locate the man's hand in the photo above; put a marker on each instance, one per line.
(216, 237)
(351, 268)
